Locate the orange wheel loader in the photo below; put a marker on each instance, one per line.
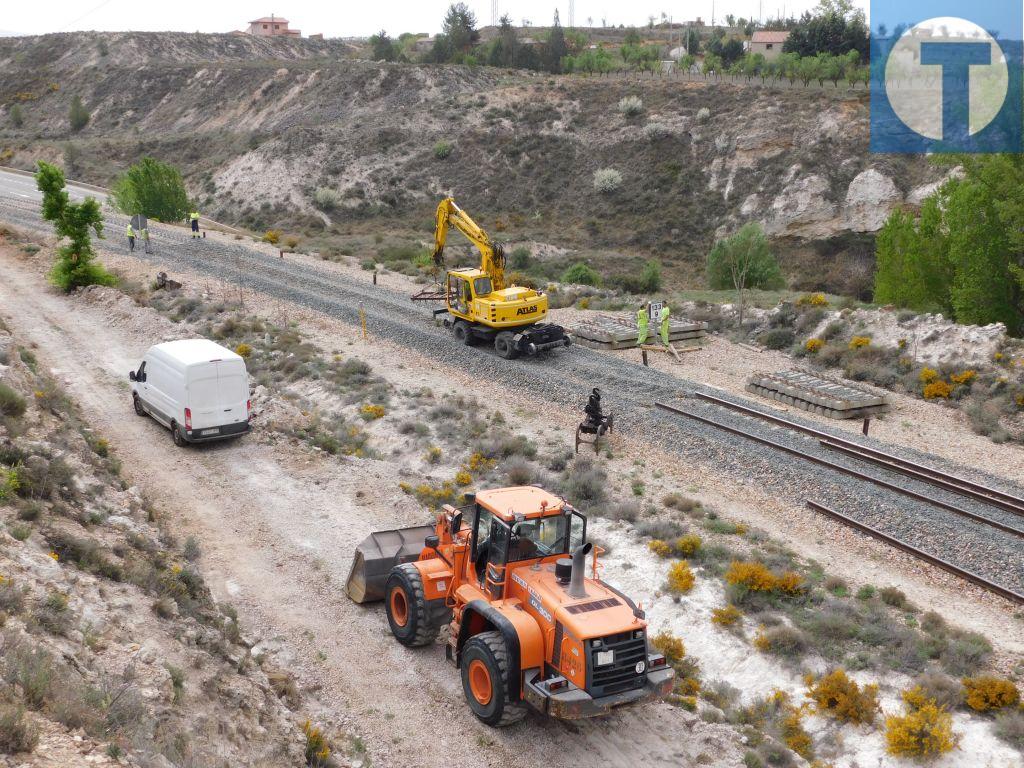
(504, 578)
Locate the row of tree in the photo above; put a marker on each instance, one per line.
(834, 28)
(964, 255)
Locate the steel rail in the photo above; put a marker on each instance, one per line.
(938, 562)
(953, 483)
(924, 474)
(847, 471)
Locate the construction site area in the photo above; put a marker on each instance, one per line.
(369, 410)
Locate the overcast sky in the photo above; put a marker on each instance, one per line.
(356, 18)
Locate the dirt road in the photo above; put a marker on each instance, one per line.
(277, 527)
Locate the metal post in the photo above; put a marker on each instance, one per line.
(204, 234)
(281, 254)
(375, 277)
(644, 353)
(362, 319)
(867, 426)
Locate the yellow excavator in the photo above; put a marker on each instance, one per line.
(480, 307)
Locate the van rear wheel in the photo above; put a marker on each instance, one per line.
(179, 438)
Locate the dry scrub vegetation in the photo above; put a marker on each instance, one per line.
(107, 628)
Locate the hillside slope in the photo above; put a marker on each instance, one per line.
(258, 126)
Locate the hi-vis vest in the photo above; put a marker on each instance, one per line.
(194, 216)
(131, 232)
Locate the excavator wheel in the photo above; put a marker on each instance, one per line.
(485, 680)
(407, 607)
(462, 332)
(504, 345)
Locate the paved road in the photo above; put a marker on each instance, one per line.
(24, 188)
(564, 377)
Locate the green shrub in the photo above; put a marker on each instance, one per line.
(11, 403)
(777, 338)
(631, 106)
(16, 116)
(16, 733)
(607, 180)
(442, 149)
(326, 199)
(581, 274)
(78, 115)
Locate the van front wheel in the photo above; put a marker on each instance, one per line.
(179, 438)
(139, 410)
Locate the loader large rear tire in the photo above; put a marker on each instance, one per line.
(485, 670)
(407, 607)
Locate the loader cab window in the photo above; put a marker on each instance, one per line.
(539, 537)
(482, 286)
(490, 542)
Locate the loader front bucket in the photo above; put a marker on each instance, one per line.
(377, 555)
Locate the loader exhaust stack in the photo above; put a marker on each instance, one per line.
(576, 587)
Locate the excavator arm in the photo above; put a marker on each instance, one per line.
(492, 256)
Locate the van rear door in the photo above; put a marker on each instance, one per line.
(217, 394)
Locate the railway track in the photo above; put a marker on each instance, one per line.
(910, 549)
(949, 482)
(888, 462)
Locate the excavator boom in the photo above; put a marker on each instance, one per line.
(492, 256)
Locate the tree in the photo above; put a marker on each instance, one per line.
(555, 50)
(382, 48)
(459, 28)
(741, 261)
(17, 118)
(153, 189)
(834, 27)
(912, 264)
(73, 221)
(78, 115)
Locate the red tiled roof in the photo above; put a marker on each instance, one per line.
(269, 20)
(769, 37)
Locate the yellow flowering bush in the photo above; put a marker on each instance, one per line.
(680, 578)
(925, 731)
(317, 751)
(812, 300)
(937, 390)
(463, 478)
(659, 547)
(243, 350)
(859, 342)
(813, 346)
(727, 616)
(965, 377)
(837, 695)
(688, 545)
(670, 646)
(928, 375)
(372, 412)
(985, 693)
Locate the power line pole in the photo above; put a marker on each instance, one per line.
(572, 14)
(494, 13)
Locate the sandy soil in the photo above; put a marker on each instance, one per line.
(284, 570)
(282, 561)
(855, 558)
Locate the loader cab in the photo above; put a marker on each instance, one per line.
(519, 525)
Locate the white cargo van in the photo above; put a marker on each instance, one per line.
(196, 388)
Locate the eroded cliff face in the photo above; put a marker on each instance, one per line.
(258, 126)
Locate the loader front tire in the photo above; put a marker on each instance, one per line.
(406, 606)
(485, 669)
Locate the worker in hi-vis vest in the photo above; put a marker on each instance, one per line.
(144, 232)
(131, 237)
(194, 219)
(664, 324)
(641, 324)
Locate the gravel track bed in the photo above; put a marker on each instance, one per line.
(564, 377)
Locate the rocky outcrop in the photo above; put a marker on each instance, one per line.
(869, 200)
